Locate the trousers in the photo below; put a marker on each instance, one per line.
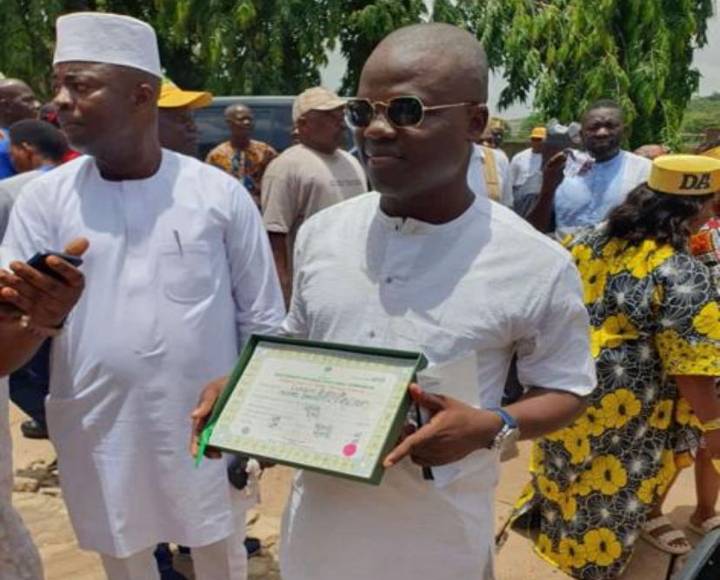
(223, 560)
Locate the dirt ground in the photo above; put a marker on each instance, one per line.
(39, 500)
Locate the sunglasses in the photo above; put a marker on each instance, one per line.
(401, 112)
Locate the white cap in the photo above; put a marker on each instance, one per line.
(107, 38)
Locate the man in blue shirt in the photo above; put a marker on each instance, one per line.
(570, 200)
(17, 102)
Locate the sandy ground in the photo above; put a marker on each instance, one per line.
(41, 505)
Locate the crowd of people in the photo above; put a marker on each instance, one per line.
(582, 279)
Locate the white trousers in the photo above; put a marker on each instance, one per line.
(223, 560)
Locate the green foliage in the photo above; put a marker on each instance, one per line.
(364, 23)
(703, 113)
(228, 46)
(246, 46)
(638, 52)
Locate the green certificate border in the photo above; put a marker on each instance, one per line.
(384, 437)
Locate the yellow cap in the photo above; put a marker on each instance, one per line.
(685, 175)
(714, 153)
(172, 97)
(538, 133)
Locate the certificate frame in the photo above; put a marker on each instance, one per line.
(386, 433)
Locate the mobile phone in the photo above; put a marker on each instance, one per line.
(38, 261)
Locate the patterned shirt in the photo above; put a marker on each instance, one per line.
(247, 165)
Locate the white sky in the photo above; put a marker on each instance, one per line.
(706, 60)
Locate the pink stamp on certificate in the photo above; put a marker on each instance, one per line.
(349, 450)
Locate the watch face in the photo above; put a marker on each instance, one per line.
(507, 436)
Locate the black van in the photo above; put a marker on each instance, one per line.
(273, 121)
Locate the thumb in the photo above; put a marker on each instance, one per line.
(432, 403)
(77, 247)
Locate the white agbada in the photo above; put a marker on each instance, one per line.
(484, 282)
(178, 274)
(476, 174)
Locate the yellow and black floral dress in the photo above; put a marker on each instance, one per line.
(653, 313)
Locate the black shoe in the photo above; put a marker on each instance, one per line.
(31, 429)
(252, 546)
(164, 558)
(171, 574)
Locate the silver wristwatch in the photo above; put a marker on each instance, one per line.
(509, 433)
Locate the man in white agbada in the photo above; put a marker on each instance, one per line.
(179, 273)
(425, 264)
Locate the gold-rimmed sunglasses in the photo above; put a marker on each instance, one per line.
(402, 112)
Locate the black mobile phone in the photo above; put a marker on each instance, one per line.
(38, 261)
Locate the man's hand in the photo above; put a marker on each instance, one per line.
(201, 414)
(46, 300)
(454, 431)
(554, 171)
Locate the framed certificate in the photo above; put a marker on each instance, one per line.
(333, 408)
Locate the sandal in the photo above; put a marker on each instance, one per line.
(707, 526)
(664, 541)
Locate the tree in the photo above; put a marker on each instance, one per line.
(246, 46)
(638, 52)
(227, 46)
(364, 24)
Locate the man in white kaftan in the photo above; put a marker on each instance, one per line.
(426, 264)
(382, 288)
(178, 275)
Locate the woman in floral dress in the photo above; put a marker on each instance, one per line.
(655, 334)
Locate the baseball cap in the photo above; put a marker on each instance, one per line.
(172, 96)
(315, 99)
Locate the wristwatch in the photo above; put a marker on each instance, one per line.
(510, 431)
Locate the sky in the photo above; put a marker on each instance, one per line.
(706, 60)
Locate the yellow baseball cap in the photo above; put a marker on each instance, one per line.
(685, 175)
(172, 97)
(538, 133)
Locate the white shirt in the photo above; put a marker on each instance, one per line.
(526, 176)
(178, 274)
(585, 200)
(476, 174)
(484, 282)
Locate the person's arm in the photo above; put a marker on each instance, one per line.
(258, 299)
(456, 429)
(44, 301)
(554, 352)
(541, 215)
(278, 243)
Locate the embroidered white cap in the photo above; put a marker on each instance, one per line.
(107, 38)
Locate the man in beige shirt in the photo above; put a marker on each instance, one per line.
(309, 176)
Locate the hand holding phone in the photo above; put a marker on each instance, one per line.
(45, 294)
(39, 262)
